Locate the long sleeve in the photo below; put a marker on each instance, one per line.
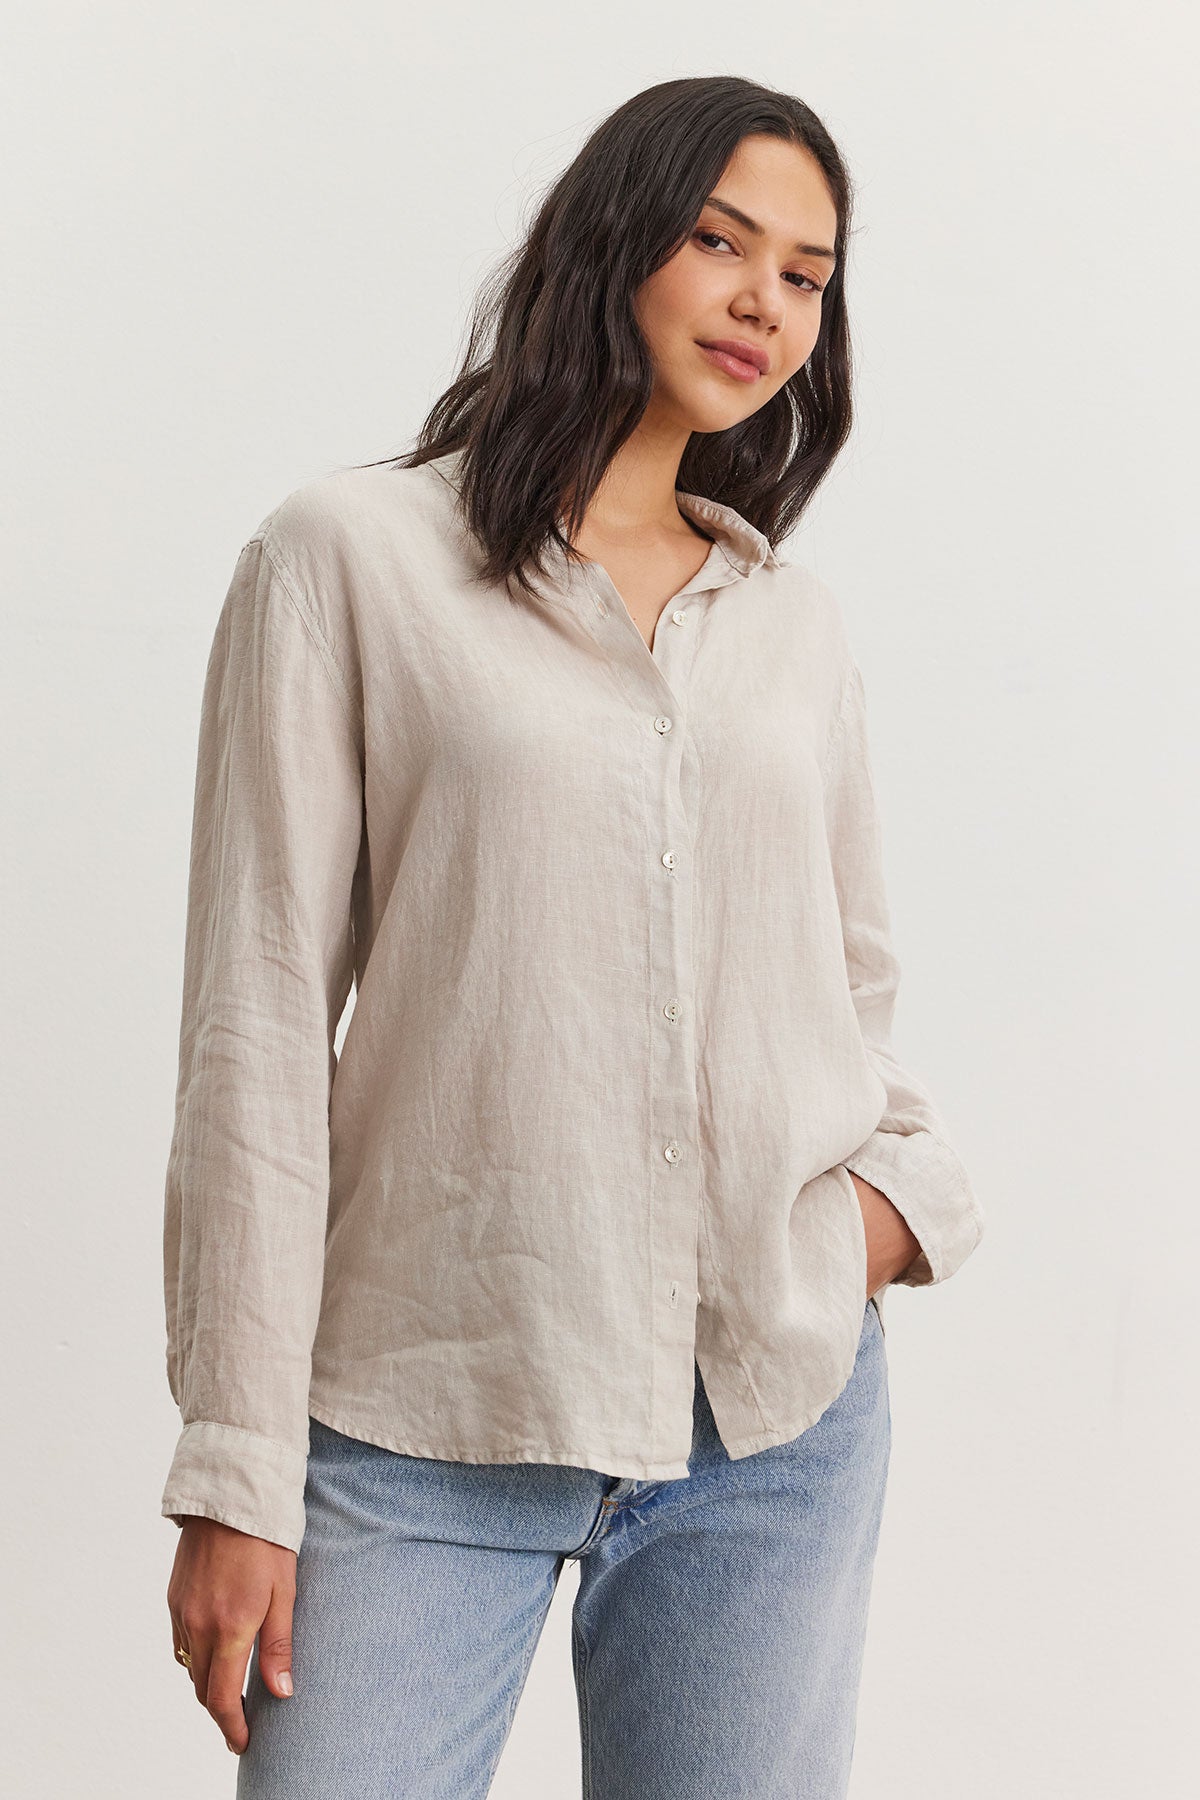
(268, 964)
(908, 1156)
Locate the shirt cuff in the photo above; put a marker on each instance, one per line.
(255, 1484)
(927, 1184)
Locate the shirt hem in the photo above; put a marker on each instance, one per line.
(785, 1434)
(629, 1467)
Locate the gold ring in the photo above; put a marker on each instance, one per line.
(183, 1656)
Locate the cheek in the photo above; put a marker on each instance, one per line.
(687, 290)
(664, 303)
(801, 340)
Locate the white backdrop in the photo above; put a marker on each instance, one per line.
(240, 246)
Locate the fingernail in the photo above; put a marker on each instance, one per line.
(230, 1746)
(285, 1683)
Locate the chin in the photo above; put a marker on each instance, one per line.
(700, 409)
(714, 418)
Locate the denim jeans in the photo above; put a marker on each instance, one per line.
(718, 1623)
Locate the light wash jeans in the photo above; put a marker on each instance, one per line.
(718, 1625)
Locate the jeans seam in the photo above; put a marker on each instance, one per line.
(579, 1646)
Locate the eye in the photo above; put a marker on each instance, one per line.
(814, 287)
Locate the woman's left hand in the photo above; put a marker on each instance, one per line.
(891, 1245)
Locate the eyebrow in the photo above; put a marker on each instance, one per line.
(744, 219)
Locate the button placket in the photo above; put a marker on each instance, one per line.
(673, 1173)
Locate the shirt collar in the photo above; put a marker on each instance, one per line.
(745, 547)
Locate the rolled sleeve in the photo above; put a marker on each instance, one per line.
(268, 964)
(908, 1156)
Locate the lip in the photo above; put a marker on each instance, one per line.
(738, 358)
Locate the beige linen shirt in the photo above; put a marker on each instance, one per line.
(616, 926)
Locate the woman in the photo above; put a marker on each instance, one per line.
(578, 1250)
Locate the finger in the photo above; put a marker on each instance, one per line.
(275, 1640)
(200, 1652)
(178, 1640)
(226, 1678)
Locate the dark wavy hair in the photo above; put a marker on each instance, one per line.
(557, 374)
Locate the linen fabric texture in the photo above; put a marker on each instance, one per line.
(616, 925)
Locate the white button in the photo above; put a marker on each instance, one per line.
(668, 859)
(672, 1151)
(672, 1010)
(600, 607)
(662, 725)
(678, 616)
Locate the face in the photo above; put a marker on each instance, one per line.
(750, 276)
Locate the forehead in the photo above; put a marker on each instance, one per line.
(781, 186)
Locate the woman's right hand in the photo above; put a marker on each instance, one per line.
(227, 1587)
